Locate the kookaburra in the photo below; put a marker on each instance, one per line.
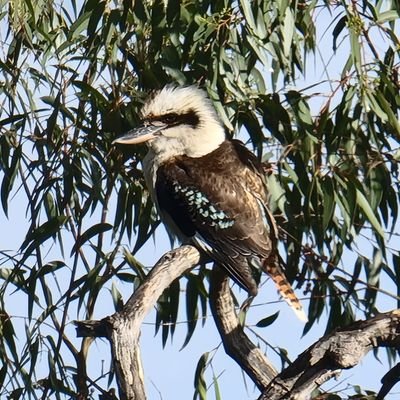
(209, 191)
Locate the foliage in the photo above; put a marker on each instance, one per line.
(73, 76)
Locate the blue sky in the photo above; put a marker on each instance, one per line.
(170, 371)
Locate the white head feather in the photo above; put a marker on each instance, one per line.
(183, 139)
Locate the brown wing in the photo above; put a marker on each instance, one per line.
(218, 201)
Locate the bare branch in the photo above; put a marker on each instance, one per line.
(123, 328)
(341, 349)
(236, 343)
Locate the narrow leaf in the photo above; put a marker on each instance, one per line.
(267, 321)
(199, 381)
(43, 232)
(89, 233)
(369, 213)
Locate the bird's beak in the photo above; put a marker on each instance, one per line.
(141, 134)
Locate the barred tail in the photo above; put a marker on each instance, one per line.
(284, 288)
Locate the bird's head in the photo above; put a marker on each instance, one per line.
(178, 121)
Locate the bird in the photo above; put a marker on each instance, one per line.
(209, 190)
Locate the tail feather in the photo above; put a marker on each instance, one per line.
(285, 288)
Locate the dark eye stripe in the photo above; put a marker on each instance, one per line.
(170, 118)
(188, 118)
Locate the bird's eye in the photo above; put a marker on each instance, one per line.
(169, 118)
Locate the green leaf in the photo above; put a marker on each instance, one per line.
(387, 109)
(267, 321)
(95, 16)
(355, 50)
(50, 268)
(199, 381)
(377, 179)
(248, 14)
(34, 351)
(146, 225)
(316, 307)
(94, 230)
(369, 213)
(9, 176)
(387, 16)
(337, 30)
(7, 333)
(277, 200)
(174, 293)
(328, 202)
(42, 233)
(79, 25)
(87, 91)
(217, 391)
(117, 297)
(288, 32)
(259, 50)
(3, 374)
(396, 266)
(372, 270)
(173, 11)
(134, 264)
(192, 314)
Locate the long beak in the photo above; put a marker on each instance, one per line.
(141, 134)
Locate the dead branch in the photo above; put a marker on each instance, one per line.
(341, 349)
(122, 329)
(236, 343)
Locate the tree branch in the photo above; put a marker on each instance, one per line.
(341, 349)
(236, 343)
(122, 329)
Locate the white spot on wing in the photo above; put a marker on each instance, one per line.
(199, 241)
